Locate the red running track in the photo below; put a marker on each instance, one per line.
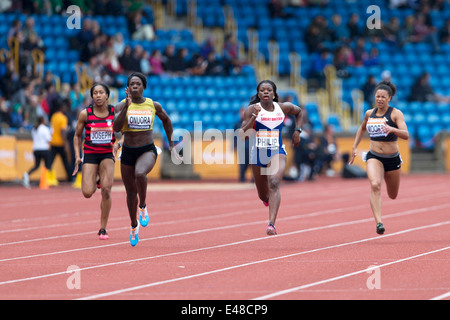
(207, 242)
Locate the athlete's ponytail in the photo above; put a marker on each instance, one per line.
(388, 86)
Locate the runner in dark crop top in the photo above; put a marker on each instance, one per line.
(376, 126)
(384, 125)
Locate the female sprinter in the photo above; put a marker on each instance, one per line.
(99, 150)
(268, 156)
(385, 125)
(134, 117)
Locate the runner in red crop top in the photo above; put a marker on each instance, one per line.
(384, 125)
(99, 150)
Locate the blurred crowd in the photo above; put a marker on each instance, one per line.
(24, 97)
(333, 42)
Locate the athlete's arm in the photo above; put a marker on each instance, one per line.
(292, 109)
(250, 115)
(399, 119)
(168, 128)
(81, 123)
(120, 113)
(359, 135)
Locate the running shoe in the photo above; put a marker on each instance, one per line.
(143, 216)
(271, 231)
(99, 186)
(266, 203)
(26, 180)
(134, 235)
(380, 228)
(102, 235)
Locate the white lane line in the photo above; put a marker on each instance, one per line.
(442, 297)
(314, 214)
(153, 284)
(305, 286)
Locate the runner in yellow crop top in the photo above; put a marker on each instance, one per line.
(134, 117)
(140, 116)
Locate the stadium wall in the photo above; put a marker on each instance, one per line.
(16, 157)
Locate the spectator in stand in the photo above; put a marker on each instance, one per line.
(29, 29)
(392, 31)
(207, 47)
(35, 110)
(197, 65)
(136, 57)
(169, 58)
(84, 38)
(126, 59)
(10, 81)
(359, 52)
(343, 58)
(232, 64)
(425, 32)
(156, 63)
(214, 67)
(5, 119)
(305, 155)
(16, 116)
(368, 90)
(145, 63)
(374, 35)
(139, 30)
(179, 61)
(444, 32)
(94, 48)
(353, 26)
(111, 62)
(276, 9)
(328, 153)
(373, 59)
(316, 34)
(422, 91)
(94, 68)
(118, 44)
(320, 62)
(339, 32)
(15, 31)
(76, 97)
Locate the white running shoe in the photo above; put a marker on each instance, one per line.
(26, 180)
(143, 216)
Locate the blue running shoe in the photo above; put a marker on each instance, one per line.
(134, 235)
(143, 216)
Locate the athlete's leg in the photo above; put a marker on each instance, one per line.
(375, 172)
(106, 182)
(144, 165)
(392, 179)
(276, 170)
(261, 182)
(129, 181)
(88, 179)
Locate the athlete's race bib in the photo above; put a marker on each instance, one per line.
(101, 135)
(375, 127)
(268, 139)
(139, 119)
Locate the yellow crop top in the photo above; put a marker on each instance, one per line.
(140, 117)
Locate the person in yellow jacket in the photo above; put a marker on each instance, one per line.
(60, 144)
